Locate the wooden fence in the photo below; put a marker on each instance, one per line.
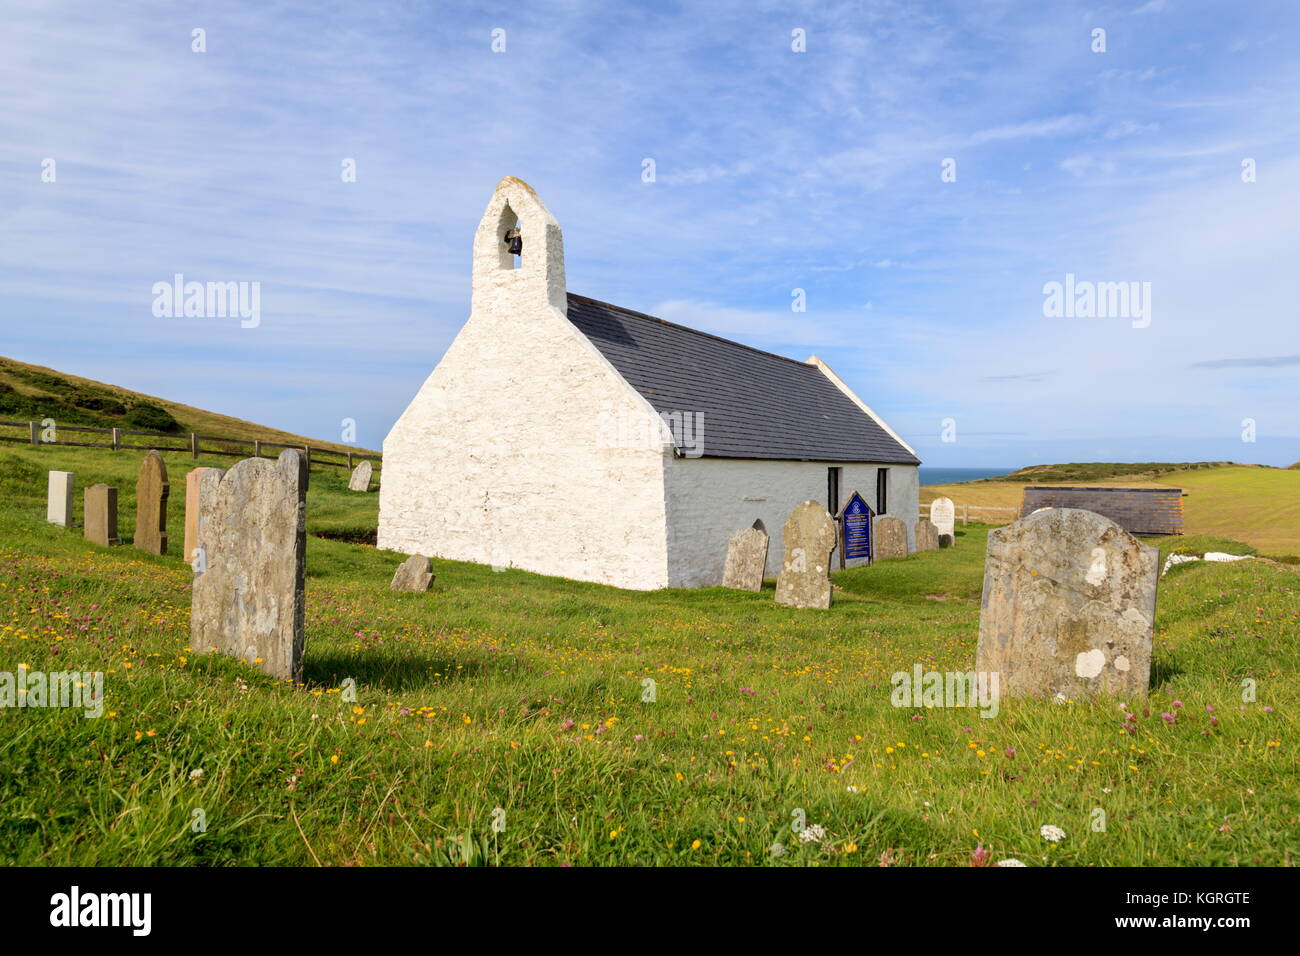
(118, 439)
(984, 514)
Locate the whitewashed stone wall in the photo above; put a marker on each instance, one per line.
(710, 498)
(504, 456)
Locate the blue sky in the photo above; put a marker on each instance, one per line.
(775, 170)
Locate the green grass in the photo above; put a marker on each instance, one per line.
(521, 692)
(1259, 506)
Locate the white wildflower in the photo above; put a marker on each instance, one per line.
(1008, 862)
(1052, 834)
(812, 833)
(196, 773)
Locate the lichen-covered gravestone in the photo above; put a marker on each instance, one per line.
(890, 538)
(942, 515)
(927, 536)
(746, 559)
(101, 515)
(193, 480)
(247, 599)
(805, 578)
(151, 491)
(59, 498)
(413, 574)
(1069, 603)
(360, 480)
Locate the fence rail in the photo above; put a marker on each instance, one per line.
(194, 443)
(963, 512)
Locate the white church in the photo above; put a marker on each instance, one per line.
(571, 437)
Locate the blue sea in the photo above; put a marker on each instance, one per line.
(948, 476)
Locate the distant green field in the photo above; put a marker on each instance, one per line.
(1260, 506)
(520, 697)
(1091, 471)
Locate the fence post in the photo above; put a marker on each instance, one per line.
(194, 445)
(965, 514)
(117, 439)
(35, 433)
(306, 450)
(349, 461)
(257, 448)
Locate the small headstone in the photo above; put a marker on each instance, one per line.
(247, 599)
(151, 491)
(193, 480)
(413, 574)
(891, 538)
(59, 498)
(746, 559)
(1068, 607)
(805, 578)
(101, 515)
(927, 536)
(360, 480)
(943, 515)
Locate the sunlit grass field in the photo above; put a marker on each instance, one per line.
(513, 697)
(1260, 506)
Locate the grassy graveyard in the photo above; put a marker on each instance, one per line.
(514, 691)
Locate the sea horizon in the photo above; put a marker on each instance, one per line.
(948, 476)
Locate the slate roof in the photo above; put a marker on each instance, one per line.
(754, 404)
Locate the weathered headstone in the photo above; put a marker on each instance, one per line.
(746, 559)
(927, 536)
(59, 498)
(101, 515)
(943, 516)
(193, 480)
(413, 574)
(1068, 607)
(247, 599)
(151, 491)
(360, 480)
(891, 538)
(805, 578)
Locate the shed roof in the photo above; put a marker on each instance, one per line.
(754, 404)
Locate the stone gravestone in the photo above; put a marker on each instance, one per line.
(942, 515)
(891, 538)
(193, 480)
(360, 480)
(805, 578)
(101, 515)
(746, 559)
(927, 536)
(151, 491)
(59, 498)
(1069, 603)
(413, 574)
(247, 599)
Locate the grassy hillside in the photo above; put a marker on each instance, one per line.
(1093, 471)
(1260, 506)
(520, 692)
(33, 392)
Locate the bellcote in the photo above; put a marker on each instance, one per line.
(516, 218)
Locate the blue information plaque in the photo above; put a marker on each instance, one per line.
(857, 528)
